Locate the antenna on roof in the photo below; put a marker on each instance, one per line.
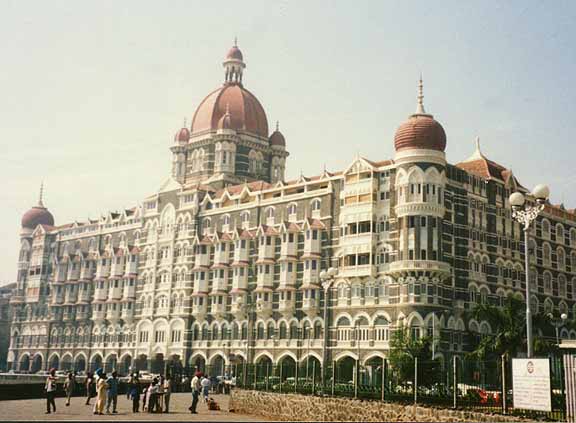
(40, 202)
(420, 107)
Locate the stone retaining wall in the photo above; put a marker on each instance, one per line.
(293, 407)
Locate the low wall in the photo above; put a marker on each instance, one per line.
(293, 407)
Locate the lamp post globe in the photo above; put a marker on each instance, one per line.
(541, 192)
(564, 316)
(517, 199)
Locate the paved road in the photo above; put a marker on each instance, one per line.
(35, 410)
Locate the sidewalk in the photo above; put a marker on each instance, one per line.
(179, 403)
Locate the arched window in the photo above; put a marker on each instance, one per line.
(546, 254)
(559, 233)
(561, 258)
(291, 209)
(545, 229)
(226, 220)
(547, 283)
(293, 330)
(270, 330)
(283, 330)
(316, 204)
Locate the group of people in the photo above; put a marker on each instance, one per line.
(155, 397)
(106, 391)
(50, 388)
(200, 385)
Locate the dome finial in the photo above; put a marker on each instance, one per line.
(185, 122)
(277, 125)
(40, 202)
(420, 107)
(235, 41)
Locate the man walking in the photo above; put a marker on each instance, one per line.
(196, 388)
(100, 393)
(69, 387)
(167, 385)
(50, 388)
(89, 382)
(112, 398)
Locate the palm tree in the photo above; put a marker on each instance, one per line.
(508, 324)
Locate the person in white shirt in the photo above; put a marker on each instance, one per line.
(50, 388)
(196, 387)
(205, 388)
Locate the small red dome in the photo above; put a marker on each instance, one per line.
(420, 131)
(277, 139)
(235, 54)
(183, 135)
(37, 216)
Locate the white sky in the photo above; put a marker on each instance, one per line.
(91, 93)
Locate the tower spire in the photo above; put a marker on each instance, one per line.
(235, 41)
(40, 198)
(185, 122)
(420, 107)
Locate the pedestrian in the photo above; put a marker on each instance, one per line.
(196, 387)
(205, 388)
(160, 395)
(144, 397)
(50, 389)
(89, 383)
(134, 392)
(100, 393)
(69, 386)
(112, 393)
(151, 396)
(167, 385)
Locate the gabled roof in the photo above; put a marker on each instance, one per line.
(477, 164)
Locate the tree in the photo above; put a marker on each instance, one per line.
(404, 348)
(508, 324)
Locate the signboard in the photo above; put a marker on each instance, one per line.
(531, 383)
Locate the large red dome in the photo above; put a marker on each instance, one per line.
(246, 112)
(420, 131)
(37, 216)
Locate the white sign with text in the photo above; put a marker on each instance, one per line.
(531, 384)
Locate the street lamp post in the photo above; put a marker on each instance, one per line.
(558, 323)
(525, 214)
(327, 277)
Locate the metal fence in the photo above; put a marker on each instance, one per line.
(460, 383)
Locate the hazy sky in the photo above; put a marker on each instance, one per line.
(91, 93)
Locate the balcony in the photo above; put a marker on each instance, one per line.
(127, 314)
(221, 255)
(405, 267)
(131, 268)
(99, 315)
(218, 310)
(199, 306)
(118, 267)
(100, 294)
(311, 306)
(84, 296)
(115, 293)
(71, 296)
(357, 271)
(241, 253)
(87, 273)
(129, 292)
(113, 313)
(74, 273)
(103, 271)
(289, 249)
(202, 260)
(287, 307)
(82, 315)
(57, 299)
